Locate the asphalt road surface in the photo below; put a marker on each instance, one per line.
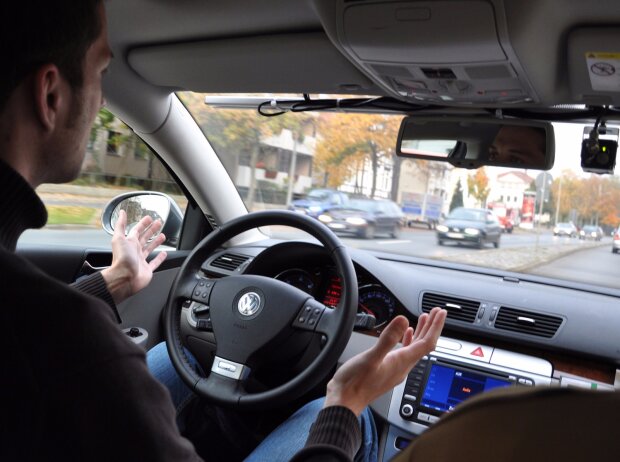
(595, 266)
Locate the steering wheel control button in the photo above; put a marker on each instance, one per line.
(308, 317)
(203, 290)
(204, 324)
(229, 369)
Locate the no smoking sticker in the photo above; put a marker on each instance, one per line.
(604, 71)
(602, 68)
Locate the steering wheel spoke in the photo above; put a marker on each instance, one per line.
(223, 390)
(329, 323)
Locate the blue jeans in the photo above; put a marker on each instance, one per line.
(287, 439)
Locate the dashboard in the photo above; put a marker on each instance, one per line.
(310, 269)
(485, 344)
(323, 284)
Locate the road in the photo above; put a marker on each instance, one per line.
(595, 266)
(423, 242)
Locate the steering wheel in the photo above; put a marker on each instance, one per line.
(249, 316)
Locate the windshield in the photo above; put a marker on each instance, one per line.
(310, 162)
(365, 206)
(318, 195)
(467, 215)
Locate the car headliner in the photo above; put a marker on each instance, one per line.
(288, 45)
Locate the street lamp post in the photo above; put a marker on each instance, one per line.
(557, 206)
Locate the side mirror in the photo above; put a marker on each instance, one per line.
(139, 204)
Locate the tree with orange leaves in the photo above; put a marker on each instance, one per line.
(478, 186)
(350, 141)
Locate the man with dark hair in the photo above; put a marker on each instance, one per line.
(519, 146)
(58, 32)
(73, 386)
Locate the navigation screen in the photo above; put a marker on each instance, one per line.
(446, 387)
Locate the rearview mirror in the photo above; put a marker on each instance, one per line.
(474, 142)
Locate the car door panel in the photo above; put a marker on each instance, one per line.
(67, 264)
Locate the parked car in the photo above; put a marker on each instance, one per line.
(565, 229)
(471, 226)
(318, 201)
(365, 218)
(615, 246)
(591, 232)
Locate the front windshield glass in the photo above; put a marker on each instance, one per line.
(467, 215)
(318, 195)
(310, 162)
(365, 206)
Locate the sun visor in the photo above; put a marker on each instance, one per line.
(284, 63)
(443, 52)
(594, 65)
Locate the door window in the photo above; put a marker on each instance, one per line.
(116, 162)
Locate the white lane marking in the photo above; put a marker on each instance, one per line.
(394, 242)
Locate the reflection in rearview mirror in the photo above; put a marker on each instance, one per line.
(473, 143)
(520, 145)
(432, 148)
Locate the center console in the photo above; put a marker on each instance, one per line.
(455, 371)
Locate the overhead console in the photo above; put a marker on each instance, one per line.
(442, 52)
(594, 65)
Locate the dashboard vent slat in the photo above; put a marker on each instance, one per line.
(527, 322)
(459, 309)
(229, 261)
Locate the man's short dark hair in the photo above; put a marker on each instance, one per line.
(38, 32)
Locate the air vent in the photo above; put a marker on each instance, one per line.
(459, 309)
(527, 322)
(229, 261)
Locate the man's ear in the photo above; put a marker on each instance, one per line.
(48, 95)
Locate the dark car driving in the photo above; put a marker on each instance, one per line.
(472, 226)
(319, 200)
(365, 218)
(591, 232)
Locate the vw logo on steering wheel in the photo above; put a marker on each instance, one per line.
(249, 304)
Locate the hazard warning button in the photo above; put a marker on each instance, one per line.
(480, 353)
